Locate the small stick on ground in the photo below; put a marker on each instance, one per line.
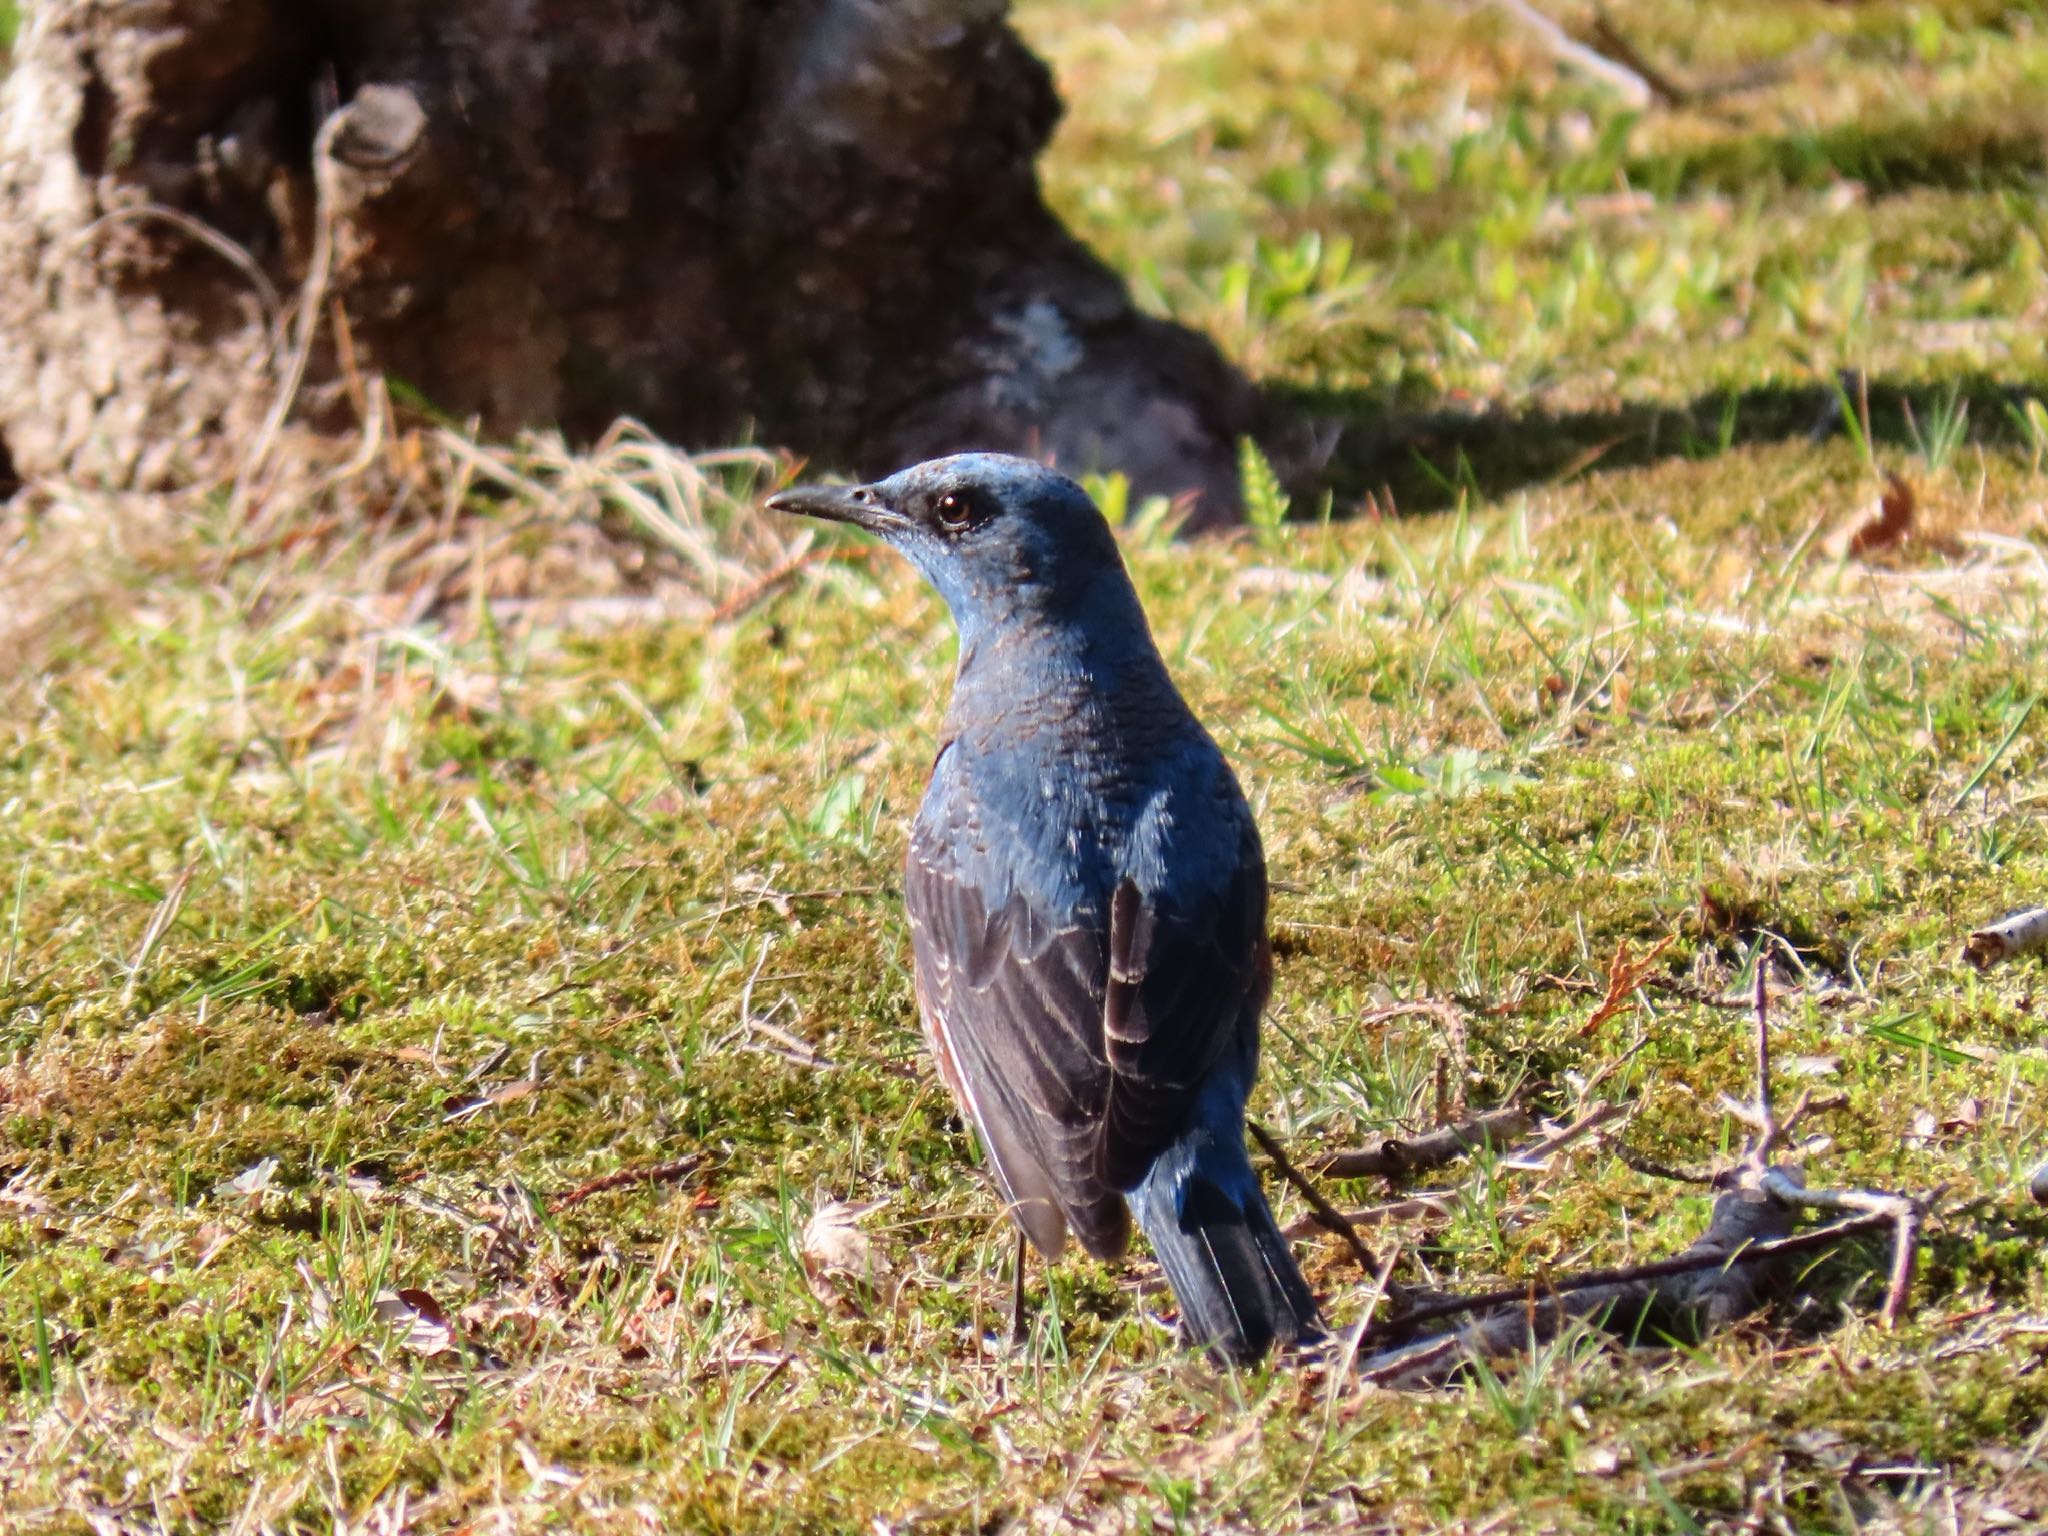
(1903, 1214)
(751, 595)
(1327, 1216)
(1436, 1204)
(1703, 1255)
(1454, 1064)
(1617, 45)
(1720, 1277)
(1632, 87)
(1395, 1157)
(1762, 1016)
(1650, 1168)
(653, 1173)
(1530, 1157)
(1020, 1330)
(2016, 934)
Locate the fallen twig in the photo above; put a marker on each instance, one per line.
(1720, 1277)
(1624, 52)
(2018, 933)
(1630, 85)
(1710, 1251)
(654, 1173)
(1903, 1213)
(1453, 1067)
(1532, 1157)
(1431, 1203)
(1650, 1168)
(1394, 1156)
(750, 596)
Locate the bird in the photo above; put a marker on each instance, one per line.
(1086, 893)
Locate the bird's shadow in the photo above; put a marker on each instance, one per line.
(1428, 458)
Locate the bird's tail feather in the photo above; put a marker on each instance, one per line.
(1239, 1289)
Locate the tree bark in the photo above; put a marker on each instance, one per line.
(818, 220)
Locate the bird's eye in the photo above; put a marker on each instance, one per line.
(955, 510)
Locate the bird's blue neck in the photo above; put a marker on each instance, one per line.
(1092, 631)
(1036, 675)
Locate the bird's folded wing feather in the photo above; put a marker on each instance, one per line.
(1185, 986)
(1011, 994)
(1085, 1033)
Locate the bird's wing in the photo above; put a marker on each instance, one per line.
(1077, 1032)
(1186, 982)
(1011, 992)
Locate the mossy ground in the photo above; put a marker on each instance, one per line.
(449, 909)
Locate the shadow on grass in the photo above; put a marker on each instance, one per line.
(1428, 460)
(1986, 1251)
(1958, 154)
(1950, 154)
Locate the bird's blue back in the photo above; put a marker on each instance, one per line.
(1070, 738)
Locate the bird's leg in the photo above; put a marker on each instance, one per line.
(1018, 1332)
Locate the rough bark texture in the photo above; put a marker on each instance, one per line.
(817, 219)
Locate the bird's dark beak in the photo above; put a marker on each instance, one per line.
(860, 505)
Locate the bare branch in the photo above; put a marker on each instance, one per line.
(1630, 85)
(1394, 1157)
(1904, 1213)
(1415, 1208)
(2017, 933)
(655, 1173)
(1650, 1168)
(1719, 1278)
(1707, 1286)
(1618, 46)
(1534, 1155)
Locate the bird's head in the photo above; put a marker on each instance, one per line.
(1000, 537)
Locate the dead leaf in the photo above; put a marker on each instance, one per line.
(839, 1258)
(212, 1237)
(1603, 1460)
(1893, 523)
(319, 1301)
(1810, 1066)
(541, 1471)
(427, 1329)
(1625, 973)
(1204, 1456)
(251, 1183)
(504, 1093)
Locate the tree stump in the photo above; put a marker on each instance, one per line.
(817, 222)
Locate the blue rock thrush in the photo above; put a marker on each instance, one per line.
(1087, 899)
